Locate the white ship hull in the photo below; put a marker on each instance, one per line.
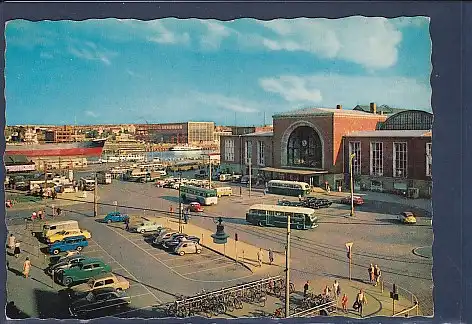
(185, 148)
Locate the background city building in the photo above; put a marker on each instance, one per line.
(177, 133)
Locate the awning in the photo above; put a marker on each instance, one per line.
(294, 171)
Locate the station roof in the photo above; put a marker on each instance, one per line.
(259, 134)
(324, 112)
(294, 171)
(391, 133)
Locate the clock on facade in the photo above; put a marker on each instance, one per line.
(304, 143)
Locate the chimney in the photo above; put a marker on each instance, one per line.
(373, 108)
(339, 107)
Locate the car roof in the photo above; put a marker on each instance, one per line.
(408, 213)
(92, 260)
(103, 290)
(103, 276)
(74, 237)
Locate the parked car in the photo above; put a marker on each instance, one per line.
(115, 217)
(188, 247)
(172, 238)
(67, 244)
(84, 271)
(99, 301)
(358, 200)
(163, 236)
(103, 280)
(67, 263)
(316, 203)
(407, 218)
(170, 245)
(195, 207)
(148, 226)
(69, 233)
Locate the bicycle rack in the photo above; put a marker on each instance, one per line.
(185, 302)
(310, 312)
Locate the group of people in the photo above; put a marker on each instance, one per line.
(260, 256)
(14, 245)
(335, 292)
(374, 274)
(39, 215)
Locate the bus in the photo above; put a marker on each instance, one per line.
(204, 196)
(104, 177)
(152, 167)
(276, 216)
(288, 188)
(223, 191)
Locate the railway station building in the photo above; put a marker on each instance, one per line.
(312, 145)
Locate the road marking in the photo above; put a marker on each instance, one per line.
(131, 275)
(204, 270)
(139, 295)
(132, 310)
(194, 263)
(174, 271)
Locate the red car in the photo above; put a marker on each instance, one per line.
(195, 207)
(358, 200)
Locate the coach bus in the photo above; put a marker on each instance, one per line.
(276, 216)
(204, 196)
(288, 188)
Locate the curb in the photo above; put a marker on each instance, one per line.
(414, 251)
(226, 256)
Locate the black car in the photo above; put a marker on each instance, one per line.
(99, 303)
(170, 245)
(168, 185)
(174, 237)
(67, 263)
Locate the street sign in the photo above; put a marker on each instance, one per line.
(393, 296)
(236, 237)
(349, 250)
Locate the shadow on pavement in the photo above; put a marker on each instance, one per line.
(50, 305)
(14, 312)
(174, 199)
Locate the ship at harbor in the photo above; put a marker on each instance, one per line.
(85, 149)
(185, 148)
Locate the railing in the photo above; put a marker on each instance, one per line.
(310, 312)
(407, 294)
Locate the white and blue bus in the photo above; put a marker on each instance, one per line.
(288, 188)
(204, 196)
(276, 216)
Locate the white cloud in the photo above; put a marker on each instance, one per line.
(163, 35)
(228, 103)
(90, 51)
(371, 42)
(328, 90)
(216, 32)
(91, 113)
(292, 88)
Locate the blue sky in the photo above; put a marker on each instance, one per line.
(169, 70)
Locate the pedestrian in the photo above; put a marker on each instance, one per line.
(344, 303)
(371, 273)
(299, 198)
(377, 275)
(326, 292)
(127, 224)
(171, 210)
(305, 288)
(361, 300)
(186, 217)
(26, 267)
(17, 250)
(40, 215)
(335, 288)
(264, 191)
(33, 216)
(11, 242)
(271, 256)
(259, 257)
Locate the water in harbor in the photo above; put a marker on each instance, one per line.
(170, 155)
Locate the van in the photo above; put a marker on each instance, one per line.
(224, 191)
(56, 227)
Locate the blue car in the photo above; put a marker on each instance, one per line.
(68, 244)
(115, 217)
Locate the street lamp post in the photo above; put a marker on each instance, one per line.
(95, 205)
(180, 204)
(250, 175)
(351, 159)
(287, 270)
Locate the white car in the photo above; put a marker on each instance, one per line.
(148, 226)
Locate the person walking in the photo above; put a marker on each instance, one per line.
(377, 275)
(171, 210)
(335, 289)
(326, 291)
(361, 301)
(17, 250)
(259, 257)
(344, 302)
(26, 267)
(305, 288)
(11, 242)
(371, 273)
(33, 216)
(127, 224)
(271, 256)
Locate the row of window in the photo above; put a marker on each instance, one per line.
(229, 151)
(276, 213)
(285, 185)
(400, 158)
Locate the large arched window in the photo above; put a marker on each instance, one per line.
(304, 148)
